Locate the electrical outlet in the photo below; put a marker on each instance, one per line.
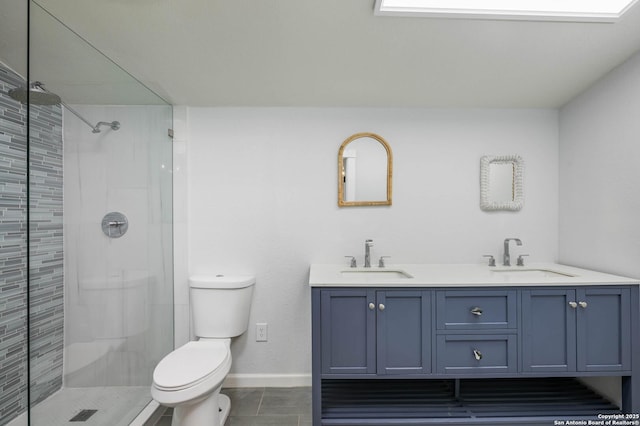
(261, 332)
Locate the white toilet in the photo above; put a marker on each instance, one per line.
(189, 378)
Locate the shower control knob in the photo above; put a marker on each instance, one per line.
(114, 224)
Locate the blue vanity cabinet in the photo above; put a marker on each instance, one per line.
(583, 329)
(472, 355)
(375, 332)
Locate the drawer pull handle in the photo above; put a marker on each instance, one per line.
(381, 307)
(477, 354)
(476, 311)
(582, 304)
(372, 306)
(573, 305)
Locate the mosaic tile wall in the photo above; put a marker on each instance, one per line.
(13, 251)
(46, 290)
(46, 274)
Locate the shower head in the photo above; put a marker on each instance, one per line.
(115, 125)
(37, 95)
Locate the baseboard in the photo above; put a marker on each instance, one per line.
(267, 380)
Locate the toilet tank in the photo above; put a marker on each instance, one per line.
(220, 304)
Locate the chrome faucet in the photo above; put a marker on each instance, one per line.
(507, 258)
(367, 253)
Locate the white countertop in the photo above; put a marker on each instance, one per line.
(458, 275)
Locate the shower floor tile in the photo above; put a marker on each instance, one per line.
(116, 406)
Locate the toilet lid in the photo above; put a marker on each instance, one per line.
(189, 365)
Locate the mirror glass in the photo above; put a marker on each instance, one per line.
(364, 171)
(501, 182)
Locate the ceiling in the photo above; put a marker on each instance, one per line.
(337, 53)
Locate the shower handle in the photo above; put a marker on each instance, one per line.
(115, 224)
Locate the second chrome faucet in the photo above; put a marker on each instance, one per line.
(506, 260)
(367, 256)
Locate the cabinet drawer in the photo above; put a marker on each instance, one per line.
(477, 354)
(473, 310)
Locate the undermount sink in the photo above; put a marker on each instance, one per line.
(530, 273)
(376, 273)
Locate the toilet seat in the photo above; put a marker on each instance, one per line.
(191, 372)
(189, 365)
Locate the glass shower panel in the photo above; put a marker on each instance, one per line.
(101, 292)
(13, 214)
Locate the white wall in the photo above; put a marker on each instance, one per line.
(599, 174)
(260, 186)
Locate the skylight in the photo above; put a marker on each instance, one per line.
(532, 10)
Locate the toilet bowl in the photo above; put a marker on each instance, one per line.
(189, 379)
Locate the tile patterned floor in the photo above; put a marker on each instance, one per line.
(264, 407)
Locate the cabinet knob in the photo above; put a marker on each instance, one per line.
(582, 304)
(573, 305)
(476, 311)
(372, 306)
(381, 307)
(477, 354)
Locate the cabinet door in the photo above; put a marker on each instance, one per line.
(603, 329)
(348, 332)
(548, 330)
(404, 332)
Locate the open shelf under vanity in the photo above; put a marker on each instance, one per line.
(459, 401)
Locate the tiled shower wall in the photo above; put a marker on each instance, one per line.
(13, 251)
(46, 251)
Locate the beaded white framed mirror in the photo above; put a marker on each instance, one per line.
(501, 186)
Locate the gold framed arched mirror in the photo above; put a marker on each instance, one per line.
(365, 170)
